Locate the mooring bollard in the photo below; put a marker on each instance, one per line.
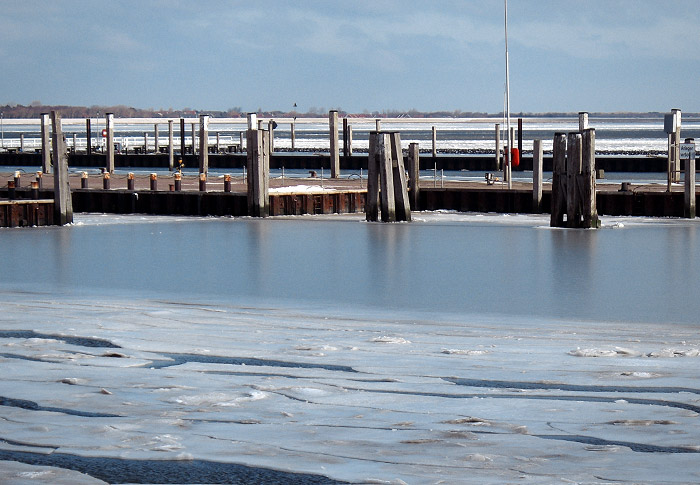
(130, 181)
(154, 181)
(105, 181)
(84, 180)
(202, 182)
(17, 178)
(11, 194)
(178, 182)
(227, 183)
(35, 190)
(38, 178)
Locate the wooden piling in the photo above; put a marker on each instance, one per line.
(537, 157)
(171, 153)
(271, 133)
(434, 142)
(293, 134)
(573, 168)
(88, 136)
(387, 201)
(203, 144)
(558, 202)
(677, 146)
(145, 142)
(582, 121)
(372, 201)
(497, 136)
(21, 142)
(155, 137)
(345, 139)
(402, 203)
(109, 165)
(349, 139)
(193, 129)
(689, 207)
(333, 133)
(413, 175)
(45, 143)
(182, 138)
(587, 180)
(63, 204)
(258, 173)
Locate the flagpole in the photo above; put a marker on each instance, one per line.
(509, 143)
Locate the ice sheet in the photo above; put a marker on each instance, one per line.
(368, 397)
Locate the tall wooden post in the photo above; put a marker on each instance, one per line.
(218, 142)
(386, 178)
(520, 136)
(582, 121)
(372, 201)
(689, 208)
(182, 139)
(75, 142)
(403, 205)
(63, 204)
(194, 138)
(414, 175)
(45, 144)
(155, 136)
(573, 168)
(349, 139)
(258, 173)
(333, 132)
(271, 130)
(434, 142)
(88, 133)
(293, 134)
(109, 165)
(587, 180)
(145, 142)
(558, 180)
(204, 144)
(537, 176)
(677, 145)
(345, 138)
(171, 154)
(498, 146)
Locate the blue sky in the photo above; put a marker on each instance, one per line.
(566, 55)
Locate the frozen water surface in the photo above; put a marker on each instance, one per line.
(119, 385)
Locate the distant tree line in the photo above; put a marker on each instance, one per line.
(35, 109)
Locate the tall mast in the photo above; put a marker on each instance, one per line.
(509, 148)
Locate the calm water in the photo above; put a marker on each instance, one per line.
(508, 265)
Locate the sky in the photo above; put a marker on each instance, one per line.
(358, 56)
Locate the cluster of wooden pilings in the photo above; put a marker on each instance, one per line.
(386, 179)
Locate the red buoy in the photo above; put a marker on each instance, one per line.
(514, 157)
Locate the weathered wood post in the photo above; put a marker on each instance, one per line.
(372, 201)
(88, 136)
(349, 139)
(677, 146)
(378, 124)
(75, 142)
(582, 121)
(258, 166)
(171, 154)
(271, 130)
(203, 144)
(402, 203)
(434, 142)
(333, 132)
(687, 153)
(45, 144)
(537, 158)
(155, 136)
(63, 204)
(293, 134)
(498, 146)
(182, 138)
(413, 175)
(573, 168)
(145, 142)
(193, 129)
(558, 180)
(387, 201)
(345, 139)
(587, 180)
(109, 165)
